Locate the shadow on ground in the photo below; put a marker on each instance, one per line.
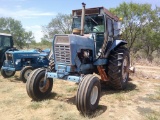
(101, 108)
(108, 90)
(72, 100)
(14, 78)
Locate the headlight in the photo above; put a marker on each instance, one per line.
(9, 56)
(86, 54)
(18, 61)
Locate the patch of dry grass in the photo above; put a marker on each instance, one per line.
(35, 105)
(71, 89)
(156, 95)
(153, 116)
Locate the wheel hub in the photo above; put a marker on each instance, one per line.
(27, 73)
(8, 72)
(94, 95)
(44, 85)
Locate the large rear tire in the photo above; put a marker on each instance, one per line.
(36, 88)
(88, 94)
(25, 72)
(7, 73)
(118, 66)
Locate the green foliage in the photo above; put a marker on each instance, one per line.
(14, 27)
(61, 24)
(140, 26)
(46, 42)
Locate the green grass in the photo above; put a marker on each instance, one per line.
(6, 89)
(121, 96)
(71, 89)
(7, 102)
(153, 116)
(35, 105)
(156, 95)
(35, 118)
(61, 106)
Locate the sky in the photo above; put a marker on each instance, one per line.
(34, 14)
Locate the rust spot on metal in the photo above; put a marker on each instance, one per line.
(102, 73)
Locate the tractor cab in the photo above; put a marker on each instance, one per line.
(6, 43)
(99, 24)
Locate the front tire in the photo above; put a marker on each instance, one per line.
(118, 66)
(7, 73)
(88, 94)
(25, 72)
(36, 88)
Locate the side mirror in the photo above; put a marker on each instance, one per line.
(117, 25)
(117, 28)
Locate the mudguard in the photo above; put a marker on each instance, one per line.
(115, 44)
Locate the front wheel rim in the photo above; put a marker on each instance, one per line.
(124, 69)
(26, 74)
(94, 95)
(43, 87)
(9, 73)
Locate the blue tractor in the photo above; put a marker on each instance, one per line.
(24, 60)
(94, 47)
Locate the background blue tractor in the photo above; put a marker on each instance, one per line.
(94, 47)
(24, 60)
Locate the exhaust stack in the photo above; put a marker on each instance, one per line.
(83, 18)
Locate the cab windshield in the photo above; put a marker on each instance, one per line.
(5, 41)
(93, 23)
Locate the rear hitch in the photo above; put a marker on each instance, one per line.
(131, 69)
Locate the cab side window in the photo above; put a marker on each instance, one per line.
(110, 27)
(7, 42)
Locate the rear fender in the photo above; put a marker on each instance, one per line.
(115, 44)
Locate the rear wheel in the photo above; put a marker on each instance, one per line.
(7, 73)
(88, 94)
(38, 88)
(25, 72)
(1, 64)
(118, 67)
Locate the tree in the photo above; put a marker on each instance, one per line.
(152, 34)
(140, 27)
(135, 18)
(46, 42)
(61, 24)
(14, 27)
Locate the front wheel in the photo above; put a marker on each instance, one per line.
(37, 87)
(88, 94)
(7, 73)
(25, 72)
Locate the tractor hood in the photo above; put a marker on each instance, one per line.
(77, 41)
(81, 42)
(22, 51)
(33, 52)
(66, 47)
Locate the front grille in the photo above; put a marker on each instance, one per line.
(9, 56)
(62, 50)
(62, 54)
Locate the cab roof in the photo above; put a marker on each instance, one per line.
(96, 10)
(5, 34)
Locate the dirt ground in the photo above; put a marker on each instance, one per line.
(140, 101)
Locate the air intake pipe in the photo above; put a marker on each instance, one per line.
(83, 18)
